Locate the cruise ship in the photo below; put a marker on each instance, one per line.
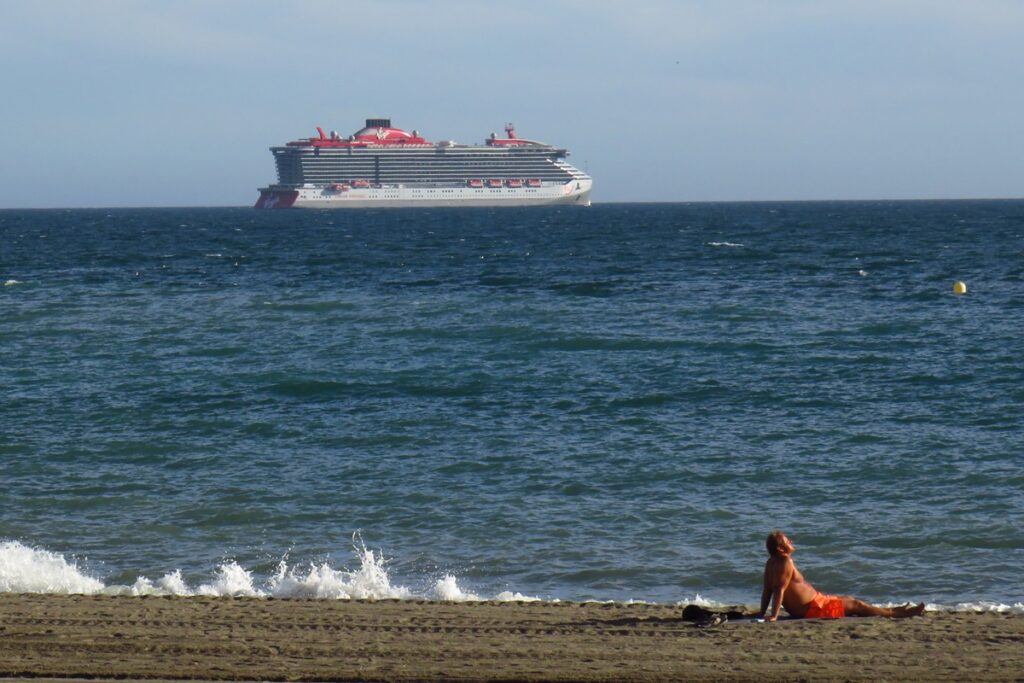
(384, 166)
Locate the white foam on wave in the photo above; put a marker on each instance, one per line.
(33, 570)
(447, 588)
(982, 606)
(11, 283)
(231, 581)
(724, 244)
(25, 569)
(701, 601)
(369, 581)
(510, 596)
(169, 584)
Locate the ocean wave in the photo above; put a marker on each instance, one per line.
(34, 570)
(25, 569)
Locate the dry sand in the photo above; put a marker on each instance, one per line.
(174, 638)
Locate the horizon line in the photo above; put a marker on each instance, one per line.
(596, 203)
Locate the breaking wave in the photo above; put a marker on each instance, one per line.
(32, 570)
(24, 569)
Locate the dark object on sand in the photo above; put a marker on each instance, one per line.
(702, 616)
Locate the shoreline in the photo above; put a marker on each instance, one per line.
(216, 638)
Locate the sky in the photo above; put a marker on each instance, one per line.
(147, 103)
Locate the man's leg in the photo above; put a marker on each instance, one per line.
(858, 608)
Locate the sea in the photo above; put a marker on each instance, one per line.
(613, 403)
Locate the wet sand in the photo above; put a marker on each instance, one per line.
(175, 638)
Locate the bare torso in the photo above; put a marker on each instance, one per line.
(798, 592)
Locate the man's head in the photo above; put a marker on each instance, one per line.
(778, 544)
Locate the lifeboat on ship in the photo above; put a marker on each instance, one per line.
(360, 184)
(533, 182)
(514, 182)
(475, 183)
(493, 182)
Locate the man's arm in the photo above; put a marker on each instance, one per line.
(766, 592)
(777, 581)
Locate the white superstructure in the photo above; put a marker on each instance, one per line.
(382, 166)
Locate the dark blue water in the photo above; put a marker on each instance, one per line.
(614, 403)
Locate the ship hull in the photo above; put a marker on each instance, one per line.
(576, 192)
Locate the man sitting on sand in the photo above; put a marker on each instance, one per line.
(785, 586)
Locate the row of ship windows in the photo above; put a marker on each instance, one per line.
(475, 191)
(465, 172)
(455, 175)
(411, 182)
(385, 178)
(331, 163)
(420, 162)
(471, 172)
(329, 181)
(424, 163)
(392, 178)
(368, 173)
(400, 177)
(421, 154)
(406, 184)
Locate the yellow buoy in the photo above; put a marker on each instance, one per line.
(959, 287)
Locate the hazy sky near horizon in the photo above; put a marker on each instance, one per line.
(147, 103)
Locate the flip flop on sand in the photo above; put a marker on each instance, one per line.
(712, 620)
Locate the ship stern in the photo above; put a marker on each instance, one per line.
(276, 199)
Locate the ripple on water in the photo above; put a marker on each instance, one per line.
(612, 403)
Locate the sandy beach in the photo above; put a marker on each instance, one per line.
(175, 638)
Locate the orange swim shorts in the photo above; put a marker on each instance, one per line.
(825, 607)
